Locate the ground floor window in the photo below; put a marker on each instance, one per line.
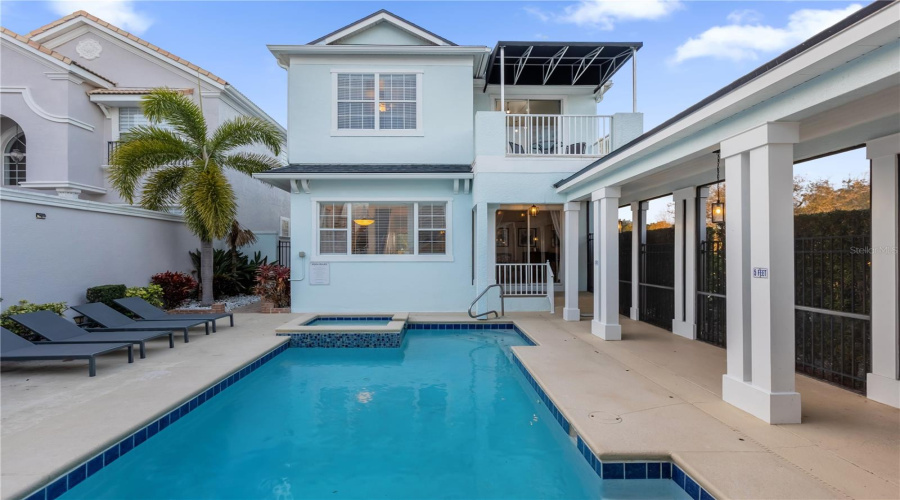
(383, 228)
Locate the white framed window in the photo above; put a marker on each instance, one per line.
(363, 229)
(130, 118)
(284, 227)
(377, 103)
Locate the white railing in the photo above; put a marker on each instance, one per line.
(558, 135)
(527, 280)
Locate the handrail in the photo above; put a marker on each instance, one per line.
(484, 315)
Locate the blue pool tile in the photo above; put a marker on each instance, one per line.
(635, 470)
(140, 436)
(174, 415)
(126, 445)
(110, 455)
(56, 488)
(598, 466)
(705, 495)
(678, 476)
(41, 494)
(76, 476)
(666, 470)
(691, 487)
(653, 470)
(614, 471)
(94, 465)
(579, 444)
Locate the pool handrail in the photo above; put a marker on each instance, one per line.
(484, 315)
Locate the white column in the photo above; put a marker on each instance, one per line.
(768, 179)
(571, 262)
(606, 264)
(638, 231)
(684, 323)
(882, 384)
(484, 250)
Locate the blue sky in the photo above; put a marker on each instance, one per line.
(691, 49)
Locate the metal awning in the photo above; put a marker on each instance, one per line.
(558, 63)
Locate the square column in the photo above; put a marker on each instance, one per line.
(606, 264)
(760, 267)
(571, 312)
(485, 275)
(684, 322)
(638, 233)
(882, 384)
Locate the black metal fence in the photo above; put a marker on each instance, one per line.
(832, 287)
(625, 246)
(657, 278)
(711, 318)
(284, 253)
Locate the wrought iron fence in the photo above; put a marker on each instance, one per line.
(657, 279)
(711, 319)
(832, 287)
(284, 253)
(625, 273)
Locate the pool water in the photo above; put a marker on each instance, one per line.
(348, 322)
(448, 415)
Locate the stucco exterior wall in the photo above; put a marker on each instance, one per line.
(447, 112)
(57, 258)
(367, 286)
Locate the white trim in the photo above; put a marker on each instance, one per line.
(22, 196)
(284, 54)
(413, 257)
(376, 132)
(30, 102)
(63, 75)
(347, 176)
(383, 17)
(30, 51)
(62, 185)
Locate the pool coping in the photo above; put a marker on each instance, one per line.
(298, 325)
(109, 453)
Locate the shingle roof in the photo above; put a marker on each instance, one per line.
(101, 22)
(393, 168)
(50, 52)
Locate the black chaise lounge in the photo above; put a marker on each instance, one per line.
(149, 312)
(111, 320)
(15, 348)
(58, 330)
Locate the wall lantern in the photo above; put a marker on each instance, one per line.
(16, 155)
(533, 210)
(718, 208)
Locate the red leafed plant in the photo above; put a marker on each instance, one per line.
(273, 284)
(177, 287)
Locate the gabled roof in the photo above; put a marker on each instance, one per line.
(33, 45)
(133, 91)
(382, 16)
(73, 18)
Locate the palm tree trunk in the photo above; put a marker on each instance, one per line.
(206, 272)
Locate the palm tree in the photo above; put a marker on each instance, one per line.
(237, 237)
(175, 161)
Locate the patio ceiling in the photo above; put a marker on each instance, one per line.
(559, 63)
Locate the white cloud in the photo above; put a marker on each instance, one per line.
(746, 38)
(604, 14)
(745, 16)
(120, 13)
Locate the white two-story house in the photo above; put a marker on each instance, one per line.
(422, 171)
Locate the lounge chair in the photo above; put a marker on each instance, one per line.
(149, 312)
(15, 348)
(111, 320)
(58, 330)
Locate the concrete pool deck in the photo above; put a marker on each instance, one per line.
(665, 389)
(54, 416)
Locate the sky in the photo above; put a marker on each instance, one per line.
(691, 48)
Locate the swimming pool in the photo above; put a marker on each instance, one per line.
(447, 415)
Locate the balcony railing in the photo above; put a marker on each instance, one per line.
(558, 135)
(111, 147)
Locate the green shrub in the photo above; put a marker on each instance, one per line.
(106, 294)
(151, 293)
(237, 267)
(177, 287)
(273, 284)
(27, 307)
(226, 286)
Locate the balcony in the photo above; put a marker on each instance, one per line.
(558, 135)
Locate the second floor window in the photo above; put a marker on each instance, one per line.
(378, 102)
(134, 117)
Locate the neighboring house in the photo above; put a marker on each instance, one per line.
(68, 91)
(422, 172)
(409, 181)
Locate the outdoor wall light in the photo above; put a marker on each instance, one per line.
(718, 212)
(16, 155)
(533, 210)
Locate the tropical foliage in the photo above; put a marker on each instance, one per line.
(176, 287)
(234, 272)
(24, 307)
(273, 284)
(184, 165)
(151, 293)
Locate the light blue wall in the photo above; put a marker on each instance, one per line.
(382, 34)
(447, 113)
(367, 286)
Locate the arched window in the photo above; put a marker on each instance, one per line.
(14, 157)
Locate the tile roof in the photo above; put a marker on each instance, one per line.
(50, 52)
(120, 31)
(133, 91)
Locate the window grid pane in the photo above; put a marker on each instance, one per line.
(356, 101)
(397, 110)
(432, 228)
(382, 228)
